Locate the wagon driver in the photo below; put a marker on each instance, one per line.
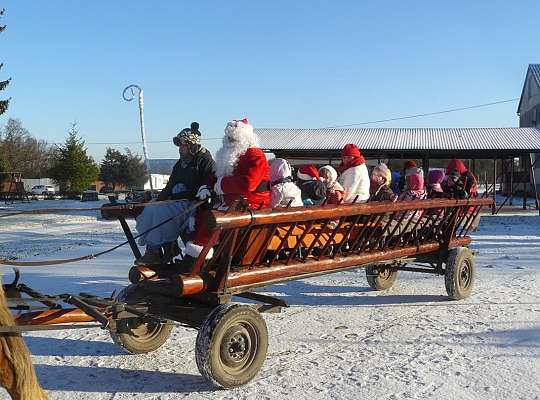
(194, 169)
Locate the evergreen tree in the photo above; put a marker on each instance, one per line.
(3, 84)
(122, 169)
(112, 167)
(136, 174)
(72, 169)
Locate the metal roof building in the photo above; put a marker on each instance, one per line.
(529, 102)
(402, 142)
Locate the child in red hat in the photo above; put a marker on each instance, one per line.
(310, 184)
(354, 174)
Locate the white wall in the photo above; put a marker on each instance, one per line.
(158, 181)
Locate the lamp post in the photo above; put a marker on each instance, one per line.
(129, 94)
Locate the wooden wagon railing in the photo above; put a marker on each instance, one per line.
(261, 247)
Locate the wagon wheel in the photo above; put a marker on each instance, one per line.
(231, 345)
(137, 336)
(459, 273)
(380, 277)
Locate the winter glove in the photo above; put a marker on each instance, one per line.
(204, 193)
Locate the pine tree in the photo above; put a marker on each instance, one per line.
(112, 167)
(136, 174)
(124, 169)
(72, 169)
(3, 84)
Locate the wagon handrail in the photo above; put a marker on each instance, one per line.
(237, 219)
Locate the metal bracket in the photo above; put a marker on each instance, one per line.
(271, 300)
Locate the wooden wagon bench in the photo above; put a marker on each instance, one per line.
(256, 248)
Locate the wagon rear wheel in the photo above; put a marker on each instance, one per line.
(459, 273)
(231, 345)
(138, 336)
(380, 277)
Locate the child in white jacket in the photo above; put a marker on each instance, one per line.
(282, 188)
(354, 175)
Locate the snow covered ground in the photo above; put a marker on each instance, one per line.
(338, 340)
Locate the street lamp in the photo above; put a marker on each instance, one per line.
(129, 94)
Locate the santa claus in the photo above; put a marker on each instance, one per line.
(242, 171)
(241, 167)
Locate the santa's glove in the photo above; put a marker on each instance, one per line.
(204, 193)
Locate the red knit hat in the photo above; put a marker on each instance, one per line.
(456, 165)
(351, 150)
(308, 173)
(410, 164)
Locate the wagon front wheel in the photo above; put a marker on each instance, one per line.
(459, 273)
(380, 277)
(231, 345)
(136, 335)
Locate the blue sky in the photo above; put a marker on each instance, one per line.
(279, 63)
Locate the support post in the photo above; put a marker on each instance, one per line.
(534, 182)
(511, 180)
(425, 166)
(503, 176)
(525, 185)
(494, 205)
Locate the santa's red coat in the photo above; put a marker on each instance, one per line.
(250, 170)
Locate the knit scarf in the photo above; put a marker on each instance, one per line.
(353, 163)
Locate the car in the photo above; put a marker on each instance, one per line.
(89, 195)
(106, 190)
(45, 190)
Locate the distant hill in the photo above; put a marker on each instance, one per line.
(162, 165)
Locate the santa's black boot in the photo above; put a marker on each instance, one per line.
(170, 250)
(163, 287)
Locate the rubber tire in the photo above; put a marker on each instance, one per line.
(127, 338)
(380, 282)
(223, 321)
(459, 275)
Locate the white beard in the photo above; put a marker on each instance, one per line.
(228, 155)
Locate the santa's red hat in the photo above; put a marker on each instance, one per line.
(237, 129)
(308, 173)
(351, 150)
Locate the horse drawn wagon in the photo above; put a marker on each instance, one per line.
(256, 248)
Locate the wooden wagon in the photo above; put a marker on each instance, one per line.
(256, 248)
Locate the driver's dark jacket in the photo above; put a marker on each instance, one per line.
(201, 170)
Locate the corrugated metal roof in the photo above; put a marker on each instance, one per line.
(395, 139)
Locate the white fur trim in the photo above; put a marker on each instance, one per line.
(194, 250)
(217, 186)
(305, 177)
(331, 170)
(237, 130)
